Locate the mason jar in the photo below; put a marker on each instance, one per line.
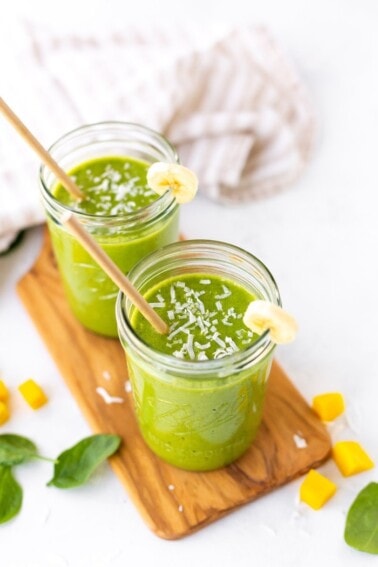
(198, 415)
(126, 238)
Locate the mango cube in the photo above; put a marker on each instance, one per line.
(328, 406)
(4, 393)
(4, 413)
(33, 394)
(316, 489)
(351, 458)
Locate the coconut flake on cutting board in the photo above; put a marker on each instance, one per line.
(108, 399)
(299, 441)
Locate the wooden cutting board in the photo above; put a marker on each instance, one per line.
(173, 502)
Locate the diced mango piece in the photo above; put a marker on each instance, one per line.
(4, 413)
(4, 393)
(328, 406)
(351, 458)
(316, 489)
(33, 394)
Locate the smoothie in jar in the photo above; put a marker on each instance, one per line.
(199, 390)
(109, 163)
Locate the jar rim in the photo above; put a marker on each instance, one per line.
(236, 361)
(143, 214)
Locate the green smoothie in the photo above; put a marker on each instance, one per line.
(192, 422)
(126, 218)
(112, 186)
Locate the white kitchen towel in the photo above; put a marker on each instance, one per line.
(227, 98)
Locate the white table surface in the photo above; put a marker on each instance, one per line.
(319, 238)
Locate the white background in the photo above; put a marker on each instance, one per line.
(320, 240)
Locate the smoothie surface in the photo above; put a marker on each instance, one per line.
(113, 185)
(205, 317)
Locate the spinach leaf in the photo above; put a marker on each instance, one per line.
(17, 240)
(10, 495)
(15, 449)
(75, 465)
(361, 528)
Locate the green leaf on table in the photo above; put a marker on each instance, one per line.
(10, 495)
(12, 245)
(15, 449)
(361, 528)
(74, 466)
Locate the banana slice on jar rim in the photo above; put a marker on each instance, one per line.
(261, 316)
(181, 180)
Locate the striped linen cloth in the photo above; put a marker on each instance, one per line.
(228, 99)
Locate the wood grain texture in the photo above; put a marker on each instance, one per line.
(197, 498)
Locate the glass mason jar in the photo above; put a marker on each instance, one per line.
(198, 415)
(126, 238)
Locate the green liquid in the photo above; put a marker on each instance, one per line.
(194, 423)
(113, 185)
(204, 315)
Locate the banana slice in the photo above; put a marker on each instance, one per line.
(263, 315)
(182, 181)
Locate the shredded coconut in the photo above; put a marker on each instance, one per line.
(226, 293)
(189, 347)
(217, 340)
(299, 441)
(108, 399)
(106, 375)
(202, 325)
(202, 356)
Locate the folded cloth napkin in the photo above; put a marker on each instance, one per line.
(228, 99)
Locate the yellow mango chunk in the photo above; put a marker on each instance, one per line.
(328, 406)
(4, 413)
(351, 458)
(33, 394)
(4, 392)
(316, 489)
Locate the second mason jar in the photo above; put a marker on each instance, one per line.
(199, 391)
(109, 160)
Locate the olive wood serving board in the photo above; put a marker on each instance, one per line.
(173, 502)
